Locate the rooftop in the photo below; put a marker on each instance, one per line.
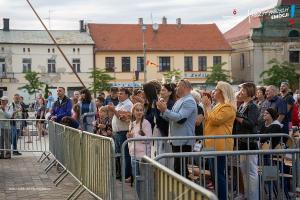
(169, 37)
(42, 37)
(243, 29)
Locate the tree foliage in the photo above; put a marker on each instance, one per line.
(172, 76)
(34, 84)
(101, 80)
(280, 72)
(46, 91)
(217, 74)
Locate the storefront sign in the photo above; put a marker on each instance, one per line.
(196, 75)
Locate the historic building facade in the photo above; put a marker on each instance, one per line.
(273, 33)
(190, 48)
(32, 50)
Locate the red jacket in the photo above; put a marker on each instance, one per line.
(295, 115)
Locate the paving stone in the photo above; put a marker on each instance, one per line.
(24, 178)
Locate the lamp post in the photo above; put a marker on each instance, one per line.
(144, 28)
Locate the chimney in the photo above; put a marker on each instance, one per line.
(82, 27)
(5, 24)
(178, 21)
(141, 22)
(164, 20)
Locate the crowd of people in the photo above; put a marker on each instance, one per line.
(165, 110)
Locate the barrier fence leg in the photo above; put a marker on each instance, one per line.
(62, 178)
(62, 173)
(79, 193)
(46, 157)
(48, 168)
(73, 192)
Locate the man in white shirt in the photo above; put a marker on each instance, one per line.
(120, 127)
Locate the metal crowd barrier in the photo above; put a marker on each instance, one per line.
(28, 135)
(87, 157)
(162, 183)
(157, 142)
(274, 177)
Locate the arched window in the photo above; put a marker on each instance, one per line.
(294, 33)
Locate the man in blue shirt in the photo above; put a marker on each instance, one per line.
(112, 97)
(62, 107)
(182, 119)
(278, 104)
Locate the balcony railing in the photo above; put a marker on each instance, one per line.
(7, 75)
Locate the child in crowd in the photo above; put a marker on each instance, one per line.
(102, 125)
(139, 128)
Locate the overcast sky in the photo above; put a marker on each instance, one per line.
(65, 14)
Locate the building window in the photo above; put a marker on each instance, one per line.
(48, 50)
(74, 50)
(242, 61)
(164, 64)
(125, 64)
(78, 50)
(188, 63)
(110, 64)
(51, 66)
(140, 64)
(26, 65)
(53, 50)
(2, 66)
(24, 49)
(202, 63)
(2, 48)
(217, 60)
(28, 49)
(76, 64)
(294, 34)
(294, 56)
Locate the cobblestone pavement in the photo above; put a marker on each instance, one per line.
(24, 178)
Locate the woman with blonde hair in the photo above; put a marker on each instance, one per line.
(219, 121)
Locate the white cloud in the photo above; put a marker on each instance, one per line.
(66, 13)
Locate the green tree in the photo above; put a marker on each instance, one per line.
(217, 74)
(169, 76)
(280, 72)
(101, 81)
(46, 91)
(34, 84)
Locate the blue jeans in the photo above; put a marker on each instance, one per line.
(136, 174)
(221, 180)
(120, 138)
(14, 136)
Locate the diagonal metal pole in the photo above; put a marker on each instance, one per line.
(54, 41)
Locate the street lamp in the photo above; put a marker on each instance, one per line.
(155, 27)
(144, 28)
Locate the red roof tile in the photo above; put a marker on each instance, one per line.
(169, 37)
(242, 30)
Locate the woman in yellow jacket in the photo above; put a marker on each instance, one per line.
(219, 121)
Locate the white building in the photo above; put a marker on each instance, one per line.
(24, 50)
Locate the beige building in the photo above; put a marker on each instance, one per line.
(25, 50)
(189, 48)
(263, 37)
